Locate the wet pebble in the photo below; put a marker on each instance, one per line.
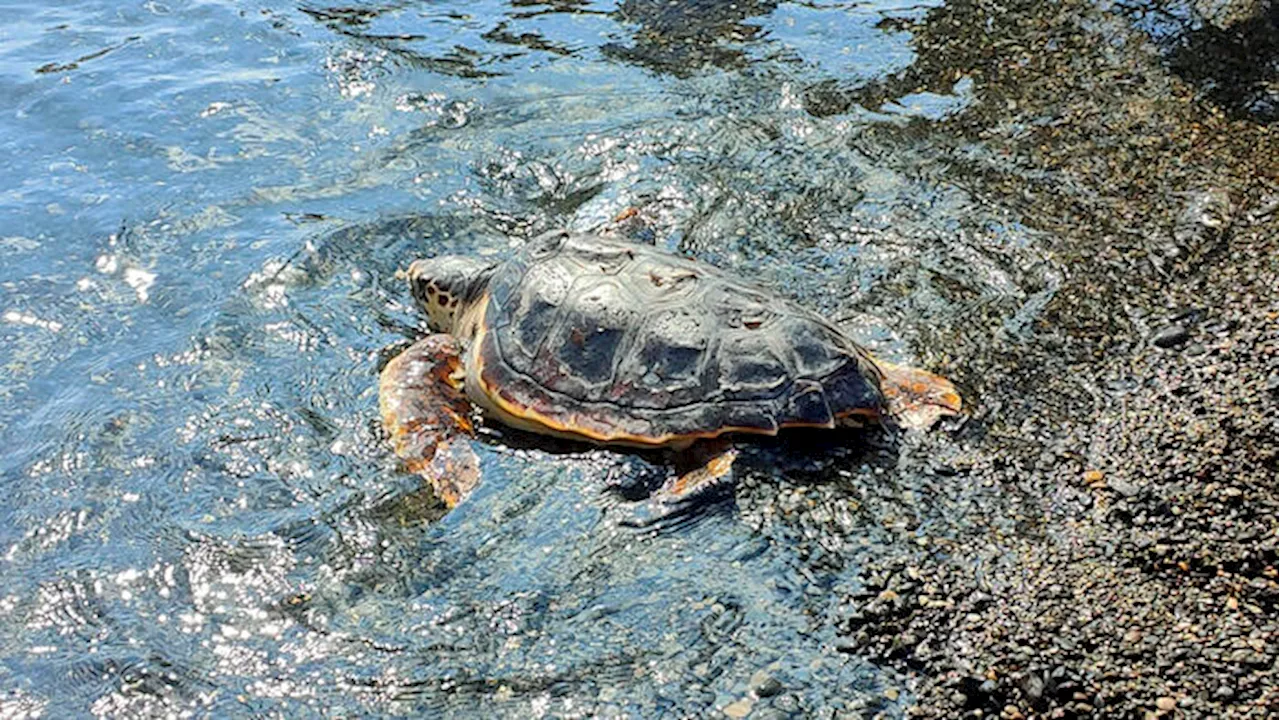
(1220, 327)
(1202, 221)
(766, 686)
(1171, 336)
(738, 708)
(1122, 486)
(1011, 712)
(1186, 315)
(1033, 686)
(787, 703)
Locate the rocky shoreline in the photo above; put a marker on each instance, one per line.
(1143, 580)
(1126, 453)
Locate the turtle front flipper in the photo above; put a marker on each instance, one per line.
(917, 398)
(427, 416)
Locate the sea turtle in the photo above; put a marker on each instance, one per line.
(595, 339)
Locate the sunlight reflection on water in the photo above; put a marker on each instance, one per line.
(206, 208)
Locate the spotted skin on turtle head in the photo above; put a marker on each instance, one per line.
(444, 287)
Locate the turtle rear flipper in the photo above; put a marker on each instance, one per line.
(917, 398)
(702, 471)
(701, 467)
(427, 415)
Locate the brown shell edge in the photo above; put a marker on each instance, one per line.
(477, 371)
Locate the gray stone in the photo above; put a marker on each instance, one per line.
(1171, 336)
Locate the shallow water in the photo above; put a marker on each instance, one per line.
(203, 208)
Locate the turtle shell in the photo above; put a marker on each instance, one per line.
(618, 342)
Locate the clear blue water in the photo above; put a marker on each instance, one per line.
(202, 207)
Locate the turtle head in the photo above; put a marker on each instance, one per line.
(445, 287)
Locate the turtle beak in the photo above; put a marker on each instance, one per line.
(415, 271)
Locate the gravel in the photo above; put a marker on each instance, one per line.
(1102, 535)
(1171, 336)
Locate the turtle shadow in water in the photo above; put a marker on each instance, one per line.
(634, 479)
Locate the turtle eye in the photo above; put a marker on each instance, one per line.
(423, 288)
